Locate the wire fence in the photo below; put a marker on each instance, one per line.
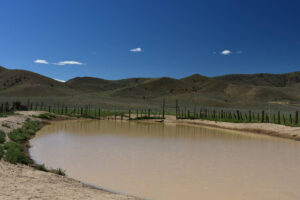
(180, 111)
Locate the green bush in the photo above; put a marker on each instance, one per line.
(2, 137)
(60, 172)
(1, 152)
(23, 134)
(19, 135)
(31, 127)
(13, 145)
(14, 155)
(42, 168)
(46, 116)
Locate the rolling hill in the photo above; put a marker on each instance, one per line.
(235, 90)
(26, 83)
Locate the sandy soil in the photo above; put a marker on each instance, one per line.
(259, 128)
(11, 122)
(24, 182)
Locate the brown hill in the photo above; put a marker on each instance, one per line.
(272, 80)
(226, 91)
(26, 83)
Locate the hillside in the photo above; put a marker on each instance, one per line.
(26, 83)
(272, 80)
(236, 90)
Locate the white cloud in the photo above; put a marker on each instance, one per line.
(70, 62)
(226, 52)
(239, 52)
(60, 80)
(136, 49)
(39, 61)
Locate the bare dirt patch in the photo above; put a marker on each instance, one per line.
(23, 182)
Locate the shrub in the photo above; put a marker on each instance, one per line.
(13, 145)
(46, 116)
(1, 152)
(19, 135)
(14, 155)
(42, 168)
(60, 172)
(23, 134)
(31, 127)
(2, 137)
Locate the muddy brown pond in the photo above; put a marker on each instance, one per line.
(170, 162)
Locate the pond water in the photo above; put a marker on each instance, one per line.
(170, 162)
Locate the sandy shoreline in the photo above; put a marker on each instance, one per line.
(24, 182)
(259, 128)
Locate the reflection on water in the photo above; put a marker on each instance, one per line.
(165, 162)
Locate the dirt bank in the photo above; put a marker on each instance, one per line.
(260, 128)
(24, 182)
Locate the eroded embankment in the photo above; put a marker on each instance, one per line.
(24, 182)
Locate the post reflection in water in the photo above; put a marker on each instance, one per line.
(158, 161)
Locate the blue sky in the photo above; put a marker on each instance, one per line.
(167, 37)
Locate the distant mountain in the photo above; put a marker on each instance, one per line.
(226, 91)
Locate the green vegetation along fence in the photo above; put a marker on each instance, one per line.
(179, 111)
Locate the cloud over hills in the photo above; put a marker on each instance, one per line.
(40, 61)
(136, 49)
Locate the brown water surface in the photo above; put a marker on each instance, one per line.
(170, 162)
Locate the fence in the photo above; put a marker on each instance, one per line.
(179, 111)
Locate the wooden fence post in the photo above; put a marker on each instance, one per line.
(163, 108)
(296, 118)
(263, 116)
(250, 119)
(238, 114)
(176, 108)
